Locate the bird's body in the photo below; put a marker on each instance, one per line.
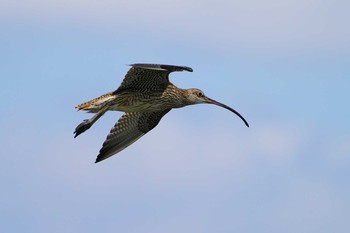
(136, 101)
(145, 96)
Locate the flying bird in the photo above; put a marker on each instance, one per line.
(145, 96)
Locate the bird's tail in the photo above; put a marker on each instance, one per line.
(96, 104)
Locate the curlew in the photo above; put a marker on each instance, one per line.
(145, 96)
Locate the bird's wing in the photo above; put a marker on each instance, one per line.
(148, 77)
(129, 128)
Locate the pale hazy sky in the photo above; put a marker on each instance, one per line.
(284, 65)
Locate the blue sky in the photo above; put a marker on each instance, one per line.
(284, 65)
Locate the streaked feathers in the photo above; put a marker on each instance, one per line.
(129, 128)
(145, 95)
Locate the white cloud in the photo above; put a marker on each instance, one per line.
(178, 154)
(206, 168)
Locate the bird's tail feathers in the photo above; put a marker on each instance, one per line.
(96, 104)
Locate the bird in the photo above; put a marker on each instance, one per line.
(145, 96)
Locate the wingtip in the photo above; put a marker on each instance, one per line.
(189, 69)
(75, 134)
(99, 158)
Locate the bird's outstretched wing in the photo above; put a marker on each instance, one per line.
(129, 128)
(148, 77)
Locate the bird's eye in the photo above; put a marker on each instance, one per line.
(200, 94)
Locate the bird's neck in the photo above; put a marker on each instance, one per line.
(178, 95)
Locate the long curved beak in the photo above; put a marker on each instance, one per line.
(211, 101)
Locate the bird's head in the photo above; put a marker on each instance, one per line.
(196, 96)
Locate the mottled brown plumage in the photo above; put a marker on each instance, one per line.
(145, 95)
